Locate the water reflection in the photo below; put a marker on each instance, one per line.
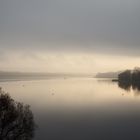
(16, 119)
(125, 85)
(130, 85)
(80, 109)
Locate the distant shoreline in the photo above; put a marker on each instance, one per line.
(13, 78)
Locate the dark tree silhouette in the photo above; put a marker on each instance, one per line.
(16, 119)
(125, 76)
(130, 79)
(130, 76)
(136, 75)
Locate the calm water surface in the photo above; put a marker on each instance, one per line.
(80, 108)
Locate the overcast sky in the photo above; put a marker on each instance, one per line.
(69, 35)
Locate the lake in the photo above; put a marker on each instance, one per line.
(80, 108)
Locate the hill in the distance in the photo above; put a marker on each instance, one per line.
(108, 75)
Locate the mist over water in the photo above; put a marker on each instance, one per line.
(79, 108)
(50, 50)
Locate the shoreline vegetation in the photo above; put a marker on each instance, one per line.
(16, 119)
(131, 76)
(129, 79)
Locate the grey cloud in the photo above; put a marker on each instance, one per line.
(106, 26)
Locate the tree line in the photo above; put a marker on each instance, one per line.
(131, 76)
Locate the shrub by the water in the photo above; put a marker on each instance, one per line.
(16, 119)
(130, 76)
